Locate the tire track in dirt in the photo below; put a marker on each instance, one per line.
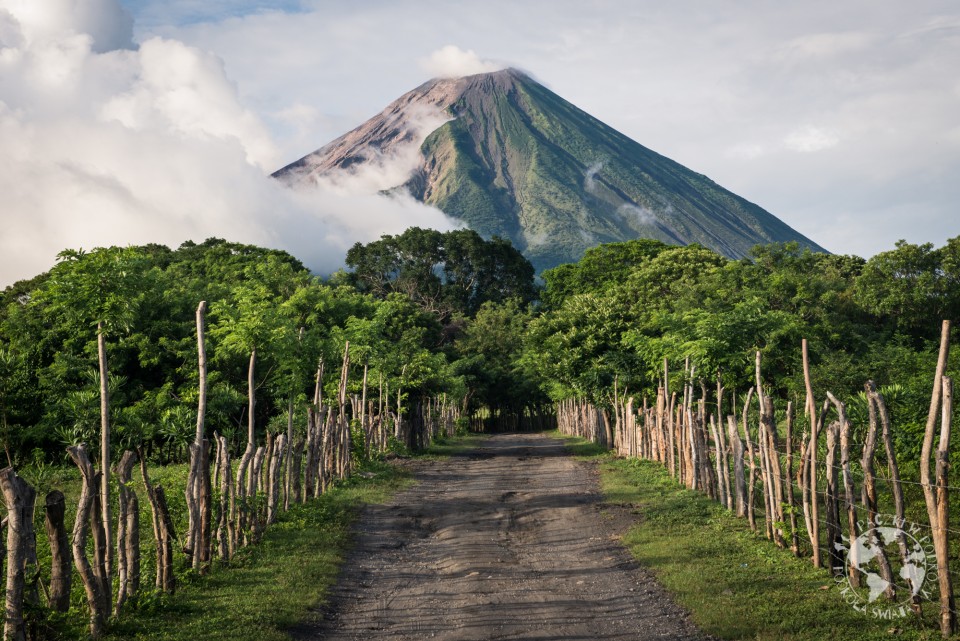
(511, 541)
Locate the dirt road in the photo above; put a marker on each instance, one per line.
(511, 541)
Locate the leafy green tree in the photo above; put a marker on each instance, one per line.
(249, 325)
(905, 286)
(443, 273)
(601, 268)
(488, 358)
(10, 363)
(102, 289)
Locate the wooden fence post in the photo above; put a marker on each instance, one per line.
(833, 513)
(20, 499)
(853, 560)
(162, 531)
(751, 484)
(869, 492)
(811, 411)
(794, 535)
(932, 493)
(740, 485)
(86, 518)
(226, 523)
(61, 577)
(948, 617)
(895, 484)
(128, 533)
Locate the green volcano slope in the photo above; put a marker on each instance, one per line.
(516, 160)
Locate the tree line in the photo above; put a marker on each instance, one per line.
(269, 321)
(272, 392)
(613, 317)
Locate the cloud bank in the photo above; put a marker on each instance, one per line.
(105, 143)
(453, 62)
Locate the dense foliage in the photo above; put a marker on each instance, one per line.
(144, 298)
(625, 307)
(433, 312)
(444, 273)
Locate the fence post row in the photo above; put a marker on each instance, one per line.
(703, 451)
(288, 470)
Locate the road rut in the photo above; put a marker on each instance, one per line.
(510, 541)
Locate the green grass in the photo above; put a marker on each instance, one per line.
(581, 447)
(736, 584)
(270, 586)
(455, 445)
(266, 589)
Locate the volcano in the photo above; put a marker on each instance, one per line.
(507, 156)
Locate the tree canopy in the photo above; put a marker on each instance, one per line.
(445, 273)
(450, 313)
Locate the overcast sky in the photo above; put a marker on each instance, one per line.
(157, 119)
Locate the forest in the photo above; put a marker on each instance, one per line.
(103, 348)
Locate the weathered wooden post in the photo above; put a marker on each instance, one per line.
(87, 517)
(932, 493)
(853, 561)
(162, 531)
(61, 577)
(20, 499)
(895, 484)
(948, 616)
(869, 492)
(740, 484)
(128, 533)
(834, 542)
(811, 411)
(751, 484)
(794, 535)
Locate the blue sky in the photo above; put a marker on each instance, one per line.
(842, 119)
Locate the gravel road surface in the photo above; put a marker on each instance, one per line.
(509, 541)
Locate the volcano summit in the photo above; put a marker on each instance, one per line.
(508, 157)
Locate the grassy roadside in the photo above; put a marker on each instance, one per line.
(735, 584)
(270, 586)
(453, 446)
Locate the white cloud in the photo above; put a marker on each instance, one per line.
(590, 176)
(810, 139)
(747, 150)
(827, 45)
(637, 214)
(151, 145)
(185, 91)
(104, 22)
(298, 115)
(452, 62)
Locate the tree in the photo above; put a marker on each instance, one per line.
(601, 268)
(443, 273)
(488, 357)
(102, 289)
(905, 286)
